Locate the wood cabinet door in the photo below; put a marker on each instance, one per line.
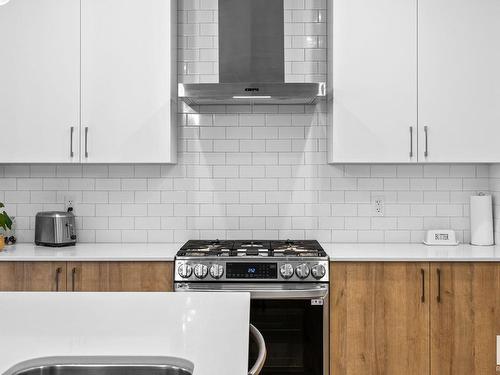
(374, 78)
(120, 276)
(32, 276)
(129, 89)
(465, 318)
(459, 80)
(379, 318)
(39, 81)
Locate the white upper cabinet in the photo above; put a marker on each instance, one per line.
(459, 80)
(374, 81)
(39, 80)
(90, 81)
(380, 63)
(129, 85)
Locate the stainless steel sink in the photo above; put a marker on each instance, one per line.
(103, 365)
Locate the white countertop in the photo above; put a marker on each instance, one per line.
(197, 327)
(410, 252)
(338, 252)
(91, 252)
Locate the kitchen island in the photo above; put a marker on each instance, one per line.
(184, 325)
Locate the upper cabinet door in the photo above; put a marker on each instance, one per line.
(459, 80)
(39, 80)
(374, 80)
(129, 86)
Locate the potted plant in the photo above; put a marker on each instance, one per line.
(5, 223)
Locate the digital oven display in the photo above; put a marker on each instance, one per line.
(251, 270)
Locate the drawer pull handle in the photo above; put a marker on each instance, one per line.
(422, 274)
(73, 275)
(86, 141)
(71, 153)
(411, 141)
(58, 276)
(426, 151)
(439, 285)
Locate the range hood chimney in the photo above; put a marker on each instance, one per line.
(251, 59)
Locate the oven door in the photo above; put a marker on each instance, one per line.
(293, 318)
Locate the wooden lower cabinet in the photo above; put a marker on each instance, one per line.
(466, 318)
(32, 276)
(86, 276)
(120, 276)
(414, 318)
(379, 318)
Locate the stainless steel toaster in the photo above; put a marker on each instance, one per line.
(55, 228)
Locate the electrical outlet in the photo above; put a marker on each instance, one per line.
(69, 202)
(378, 206)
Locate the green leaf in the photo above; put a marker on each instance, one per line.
(1, 205)
(8, 220)
(5, 221)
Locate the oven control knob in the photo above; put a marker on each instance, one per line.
(302, 271)
(200, 271)
(216, 271)
(318, 271)
(185, 270)
(286, 271)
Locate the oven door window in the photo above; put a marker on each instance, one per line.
(293, 331)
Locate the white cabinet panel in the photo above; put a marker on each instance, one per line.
(39, 80)
(128, 81)
(374, 54)
(459, 80)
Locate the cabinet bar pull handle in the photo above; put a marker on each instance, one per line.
(86, 141)
(73, 274)
(426, 151)
(439, 285)
(58, 274)
(422, 273)
(72, 130)
(411, 141)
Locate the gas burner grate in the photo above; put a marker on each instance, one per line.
(251, 248)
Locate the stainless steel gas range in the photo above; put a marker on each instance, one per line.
(288, 284)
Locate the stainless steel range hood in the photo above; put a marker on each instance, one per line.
(251, 59)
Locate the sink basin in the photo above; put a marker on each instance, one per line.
(103, 365)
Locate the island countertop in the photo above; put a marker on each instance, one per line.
(191, 326)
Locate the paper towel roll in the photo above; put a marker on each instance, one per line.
(481, 220)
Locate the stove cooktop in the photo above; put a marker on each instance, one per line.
(251, 248)
(253, 260)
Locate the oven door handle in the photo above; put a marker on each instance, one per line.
(287, 291)
(261, 358)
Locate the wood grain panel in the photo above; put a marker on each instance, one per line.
(120, 276)
(32, 276)
(378, 321)
(464, 324)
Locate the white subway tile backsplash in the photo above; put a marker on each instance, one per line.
(8, 184)
(423, 210)
(421, 184)
(134, 209)
(255, 171)
(16, 171)
(17, 197)
(43, 197)
(117, 171)
(40, 170)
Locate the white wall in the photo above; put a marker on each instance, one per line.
(248, 172)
